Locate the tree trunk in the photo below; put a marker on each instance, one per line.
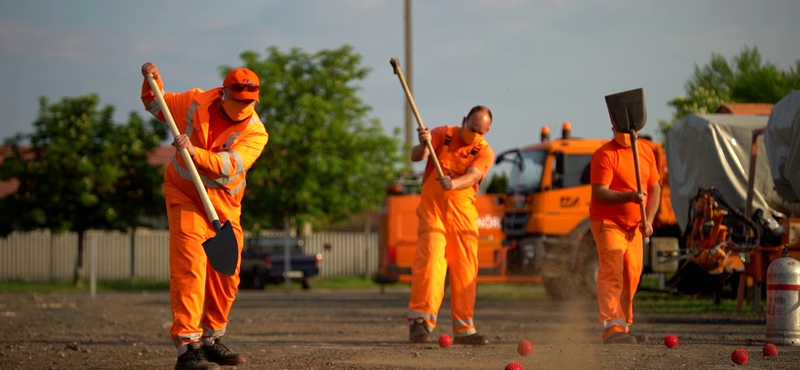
(78, 277)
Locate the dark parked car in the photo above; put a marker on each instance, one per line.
(263, 257)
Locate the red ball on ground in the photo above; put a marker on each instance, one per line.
(770, 350)
(739, 356)
(525, 348)
(445, 341)
(671, 341)
(514, 366)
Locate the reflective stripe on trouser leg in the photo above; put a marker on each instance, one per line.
(620, 257)
(220, 293)
(462, 259)
(187, 266)
(429, 268)
(429, 318)
(182, 342)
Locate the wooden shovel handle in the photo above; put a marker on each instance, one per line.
(198, 183)
(396, 65)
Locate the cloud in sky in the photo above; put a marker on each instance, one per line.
(533, 62)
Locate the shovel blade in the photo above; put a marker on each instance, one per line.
(627, 110)
(222, 250)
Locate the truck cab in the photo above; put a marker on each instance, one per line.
(546, 212)
(548, 195)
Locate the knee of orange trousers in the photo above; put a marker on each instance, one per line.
(219, 296)
(462, 262)
(428, 273)
(610, 250)
(188, 268)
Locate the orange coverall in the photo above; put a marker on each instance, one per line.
(200, 297)
(448, 234)
(616, 232)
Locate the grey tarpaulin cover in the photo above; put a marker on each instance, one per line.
(714, 150)
(782, 141)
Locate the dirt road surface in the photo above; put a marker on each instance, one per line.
(363, 329)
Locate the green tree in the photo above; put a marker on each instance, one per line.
(498, 184)
(79, 171)
(749, 79)
(326, 159)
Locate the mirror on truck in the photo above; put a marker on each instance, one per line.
(560, 170)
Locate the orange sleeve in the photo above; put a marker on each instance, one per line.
(437, 140)
(602, 170)
(484, 161)
(238, 158)
(176, 102)
(437, 137)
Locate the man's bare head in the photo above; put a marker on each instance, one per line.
(478, 120)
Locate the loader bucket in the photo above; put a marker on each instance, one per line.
(627, 110)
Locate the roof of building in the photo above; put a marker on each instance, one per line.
(746, 108)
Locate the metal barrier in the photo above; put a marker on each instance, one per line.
(45, 256)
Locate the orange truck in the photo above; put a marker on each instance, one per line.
(546, 214)
(398, 237)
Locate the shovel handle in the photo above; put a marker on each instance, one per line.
(396, 66)
(187, 159)
(638, 176)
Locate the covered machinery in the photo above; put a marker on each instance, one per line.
(782, 141)
(723, 180)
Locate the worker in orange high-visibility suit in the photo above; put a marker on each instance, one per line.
(224, 136)
(617, 228)
(448, 226)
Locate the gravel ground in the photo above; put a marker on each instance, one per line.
(362, 329)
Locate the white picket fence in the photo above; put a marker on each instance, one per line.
(44, 256)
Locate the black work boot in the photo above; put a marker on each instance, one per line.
(472, 339)
(195, 359)
(418, 332)
(220, 354)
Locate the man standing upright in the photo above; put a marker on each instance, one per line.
(448, 226)
(224, 136)
(618, 230)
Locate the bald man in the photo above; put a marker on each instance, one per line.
(448, 226)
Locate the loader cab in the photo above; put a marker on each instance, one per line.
(549, 186)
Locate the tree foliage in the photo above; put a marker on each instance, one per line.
(498, 184)
(326, 159)
(79, 171)
(748, 79)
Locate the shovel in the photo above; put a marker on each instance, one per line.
(629, 114)
(221, 249)
(396, 65)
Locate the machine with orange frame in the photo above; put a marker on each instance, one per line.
(397, 237)
(546, 214)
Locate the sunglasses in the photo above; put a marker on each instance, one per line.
(240, 88)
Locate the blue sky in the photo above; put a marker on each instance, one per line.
(533, 63)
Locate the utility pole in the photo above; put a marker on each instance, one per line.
(408, 76)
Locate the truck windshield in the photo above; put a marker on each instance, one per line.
(526, 175)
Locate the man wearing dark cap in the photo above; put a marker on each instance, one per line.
(224, 136)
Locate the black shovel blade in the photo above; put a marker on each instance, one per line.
(222, 249)
(627, 110)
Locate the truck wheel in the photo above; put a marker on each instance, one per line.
(306, 285)
(245, 281)
(258, 281)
